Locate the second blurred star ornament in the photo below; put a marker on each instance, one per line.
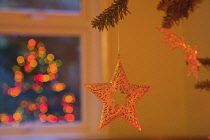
(175, 41)
(111, 110)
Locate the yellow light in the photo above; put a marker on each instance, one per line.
(33, 63)
(50, 57)
(20, 59)
(46, 78)
(69, 99)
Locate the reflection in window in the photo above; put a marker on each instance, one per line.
(39, 81)
(70, 5)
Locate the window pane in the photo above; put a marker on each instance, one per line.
(70, 5)
(40, 81)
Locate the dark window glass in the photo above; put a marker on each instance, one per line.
(69, 5)
(39, 79)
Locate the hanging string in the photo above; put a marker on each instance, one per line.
(118, 34)
(182, 29)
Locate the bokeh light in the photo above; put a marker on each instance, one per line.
(68, 109)
(42, 117)
(31, 44)
(52, 118)
(50, 57)
(18, 76)
(69, 117)
(69, 98)
(33, 63)
(20, 60)
(17, 117)
(43, 107)
(15, 68)
(32, 107)
(58, 87)
(4, 118)
(14, 91)
(58, 63)
(52, 68)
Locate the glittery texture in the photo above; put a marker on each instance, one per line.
(177, 42)
(120, 85)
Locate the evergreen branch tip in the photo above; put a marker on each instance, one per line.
(203, 85)
(176, 10)
(111, 16)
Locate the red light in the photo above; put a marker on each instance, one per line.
(43, 107)
(31, 42)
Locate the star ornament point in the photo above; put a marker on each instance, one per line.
(111, 110)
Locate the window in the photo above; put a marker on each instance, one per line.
(68, 5)
(69, 39)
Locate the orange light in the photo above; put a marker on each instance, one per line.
(41, 50)
(52, 118)
(68, 109)
(30, 58)
(53, 76)
(58, 87)
(18, 76)
(17, 117)
(43, 118)
(14, 91)
(43, 99)
(4, 118)
(32, 107)
(52, 68)
(69, 117)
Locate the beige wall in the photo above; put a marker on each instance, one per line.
(172, 107)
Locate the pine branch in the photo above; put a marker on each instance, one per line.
(205, 62)
(111, 16)
(176, 10)
(203, 85)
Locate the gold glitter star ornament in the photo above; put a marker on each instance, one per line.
(111, 110)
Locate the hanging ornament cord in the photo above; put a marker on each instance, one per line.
(118, 36)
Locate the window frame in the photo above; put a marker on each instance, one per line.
(92, 46)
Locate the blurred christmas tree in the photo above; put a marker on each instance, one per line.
(35, 93)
